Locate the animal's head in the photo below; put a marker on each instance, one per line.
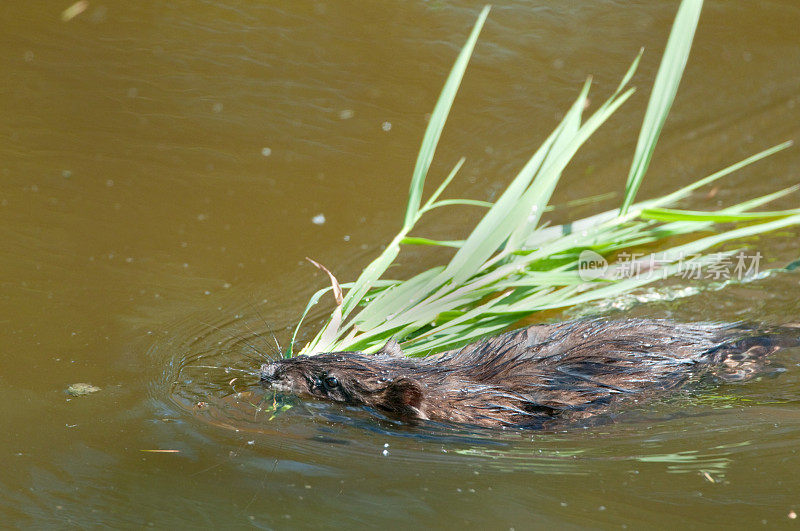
(350, 378)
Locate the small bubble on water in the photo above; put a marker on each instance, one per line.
(265, 151)
(386, 126)
(319, 219)
(346, 114)
(385, 453)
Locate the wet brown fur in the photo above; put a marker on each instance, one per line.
(528, 376)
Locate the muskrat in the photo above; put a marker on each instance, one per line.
(526, 377)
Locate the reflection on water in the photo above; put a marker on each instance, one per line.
(167, 168)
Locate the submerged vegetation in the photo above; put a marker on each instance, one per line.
(512, 264)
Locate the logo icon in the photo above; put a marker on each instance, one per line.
(591, 265)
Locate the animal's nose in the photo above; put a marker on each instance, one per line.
(268, 371)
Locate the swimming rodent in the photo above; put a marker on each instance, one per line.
(527, 377)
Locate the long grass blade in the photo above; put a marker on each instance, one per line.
(665, 87)
(438, 118)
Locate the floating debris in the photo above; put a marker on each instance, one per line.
(708, 476)
(81, 389)
(161, 451)
(74, 10)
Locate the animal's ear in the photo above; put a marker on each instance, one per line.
(392, 348)
(402, 395)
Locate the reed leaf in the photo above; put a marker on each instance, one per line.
(665, 87)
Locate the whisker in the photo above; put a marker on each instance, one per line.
(265, 353)
(221, 368)
(280, 349)
(277, 343)
(256, 356)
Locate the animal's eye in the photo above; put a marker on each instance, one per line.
(331, 382)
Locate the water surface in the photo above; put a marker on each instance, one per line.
(162, 166)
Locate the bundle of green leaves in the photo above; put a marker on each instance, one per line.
(512, 265)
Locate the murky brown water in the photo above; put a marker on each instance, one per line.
(161, 164)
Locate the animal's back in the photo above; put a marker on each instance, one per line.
(581, 365)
